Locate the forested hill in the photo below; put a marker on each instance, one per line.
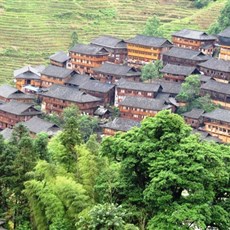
(32, 30)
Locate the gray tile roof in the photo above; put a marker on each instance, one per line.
(217, 64)
(97, 86)
(204, 136)
(101, 111)
(193, 34)
(144, 103)
(184, 53)
(56, 71)
(89, 49)
(6, 133)
(121, 124)
(169, 87)
(60, 57)
(28, 72)
(69, 93)
(78, 79)
(6, 91)
(219, 115)
(149, 41)
(19, 108)
(204, 78)
(216, 86)
(139, 86)
(109, 42)
(194, 113)
(115, 69)
(225, 33)
(180, 70)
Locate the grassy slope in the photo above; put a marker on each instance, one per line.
(32, 30)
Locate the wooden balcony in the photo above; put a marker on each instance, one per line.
(143, 56)
(142, 49)
(90, 58)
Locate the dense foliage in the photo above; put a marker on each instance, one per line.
(151, 71)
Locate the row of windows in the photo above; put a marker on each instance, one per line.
(138, 109)
(144, 53)
(219, 129)
(135, 92)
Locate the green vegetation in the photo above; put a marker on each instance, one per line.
(151, 71)
(33, 30)
(152, 27)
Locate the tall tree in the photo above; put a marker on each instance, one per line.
(74, 39)
(152, 27)
(151, 71)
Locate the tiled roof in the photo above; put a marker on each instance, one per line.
(194, 113)
(6, 91)
(89, 49)
(225, 33)
(179, 70)
(217, 64)
(28, 72)
(109, 42)
(78, 79)
(193, 34)
(149, 41)
(204, 78)
(219, 115)
(169, 87)
(69, 93)
(216, 86)
(121, 124)
(60, 57)
(97, 86)
(204, 136)
(56, 71)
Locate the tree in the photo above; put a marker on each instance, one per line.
(152, 27)
(160, 162)
(74, 39)
(40, 146)
(151, 70)
(201, 3)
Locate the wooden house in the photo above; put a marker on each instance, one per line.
(105, 91)
(178, 73)
(116, 47)
(55, 75)
(217, 123)
(183, 56)
(9, 93)
(119, 124)
(28, 76)
(111, 73)
(218, 91)
(59, 97)
(194, 39)
(217, 69)
(137, 108)
(128, 88)
(224, 42)
(143, 49)
(86, 57)
(60, 59)
(13, 112)
(78, 79)
(194, 117)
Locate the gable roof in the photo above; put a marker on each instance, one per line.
(217, 64)
(139, 86)
(216, 86)
(97, 86)
(6, 91)
(69, 93)
(149, 41)
(219, 115)
(78, 79)
(193, 34)
(225, 33)
(121, 124)
(89, 49)
(56, 71)
(184, 53)
(28, 72)
(194, 113)
(116, 69)
(180, 70)
(60, 57)
(169, 87)
(109, 42)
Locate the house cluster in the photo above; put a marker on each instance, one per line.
(107, 72)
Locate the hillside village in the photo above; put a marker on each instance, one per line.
(107, 73)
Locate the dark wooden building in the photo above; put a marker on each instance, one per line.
(194, 39)
(194, 117)
(60, 59)
(178, 73)
(116, 47)
(224, 42)
(86, 57)
(78, 79)
(111, 73)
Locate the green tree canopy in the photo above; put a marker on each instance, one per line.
(151, 70)
(152, 27)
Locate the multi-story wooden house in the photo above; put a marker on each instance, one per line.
(28, 76)
(178, 73)
(55, 75)
(217, 69)
(9, 93)
(116, 47)
(86, 57)
(111, 73)
(224, 41)
(60, 59)
(59, 97)
(13, 112)
(128, 88)
(194, 117)
(78, 79)
(217, 123)
(99, 89)
(196, 40)
(137, 108)
(119, 124)
(143, 49)
(218, 91)
(185, 57)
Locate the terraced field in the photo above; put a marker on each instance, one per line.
(32, 30)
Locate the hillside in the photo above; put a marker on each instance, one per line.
(32, 30)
